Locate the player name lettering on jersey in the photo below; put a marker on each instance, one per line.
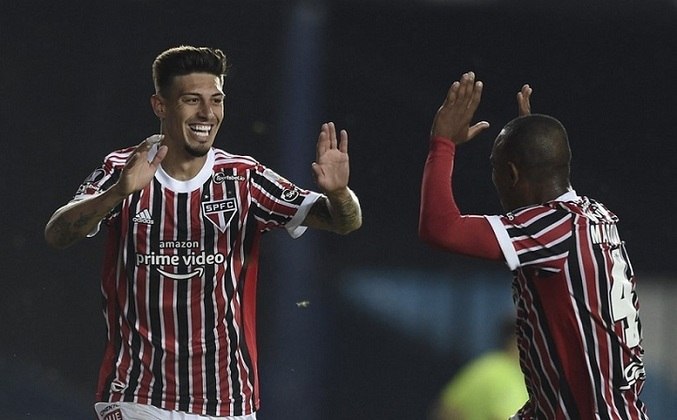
(605, 233)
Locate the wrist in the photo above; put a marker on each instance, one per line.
(441, 142)
(117, 193)
(339, 195)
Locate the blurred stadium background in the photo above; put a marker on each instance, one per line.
(389, 319)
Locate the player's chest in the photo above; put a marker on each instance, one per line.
(163, 214)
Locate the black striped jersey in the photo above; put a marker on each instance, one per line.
(578, 326)
(179, 282)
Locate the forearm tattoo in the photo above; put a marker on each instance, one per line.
(342, 215)
(68, 232)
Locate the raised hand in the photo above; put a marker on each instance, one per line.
(452, 120)
(524, 101)
(331, 168)
(76, 219)
(138, 171)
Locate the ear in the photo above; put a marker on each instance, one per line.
(158, 104)
(514, 174)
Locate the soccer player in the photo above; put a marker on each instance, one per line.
(488, 387)
(185, 220)
(578, 328)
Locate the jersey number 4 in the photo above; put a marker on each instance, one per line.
(622, 306)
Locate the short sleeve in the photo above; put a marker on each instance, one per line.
(536, 236)
(97, 182)
(277, 202)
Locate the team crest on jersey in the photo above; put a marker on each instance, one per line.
(220, 212)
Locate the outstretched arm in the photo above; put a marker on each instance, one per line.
(339, 211)
(440, 221)
(75, 220)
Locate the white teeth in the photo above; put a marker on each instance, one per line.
(201, 130)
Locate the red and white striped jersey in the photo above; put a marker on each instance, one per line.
(578, 327)
(179, 282)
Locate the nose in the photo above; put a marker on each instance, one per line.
(206, 111)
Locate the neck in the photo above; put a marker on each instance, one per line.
(550, 192)
(182, 167)
(534, 194)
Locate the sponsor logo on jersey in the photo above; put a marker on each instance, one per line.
(179, 276)
(90, 181)
(221, 177)
(290, 194)
(114, 415)
(108, 411)
(196, 261)
(117, 386)
(220, 212)
(143, 217)
(632, 373)
(95, 176)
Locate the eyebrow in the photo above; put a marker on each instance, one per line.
(199, 94)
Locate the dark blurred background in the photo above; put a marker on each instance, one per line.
(390, 320)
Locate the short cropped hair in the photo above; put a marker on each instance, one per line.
(539, 145)
(183, 60)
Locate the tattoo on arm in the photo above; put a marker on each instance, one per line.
(320, 211)
(69, 232)
(341, 216)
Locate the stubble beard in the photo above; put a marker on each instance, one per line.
(195, 152)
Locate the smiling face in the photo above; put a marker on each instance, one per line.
(191, 113)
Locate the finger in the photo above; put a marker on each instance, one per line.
(470, 90)
(131, 160)
(475, 97)
(161, 153)
(332, 136)
(452, 93)
(477, 128)
(526, 90)
(465, 90)
(523, 100)
(149, 142)
(523, 109)
(343, 145)
(322, 140)
(317, 170)
(154, 139)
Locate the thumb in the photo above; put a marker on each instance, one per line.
(477, 128)
(317, 170)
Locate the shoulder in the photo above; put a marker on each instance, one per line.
(223, 158)
(532, 214)
(589, 208)
(119, 157)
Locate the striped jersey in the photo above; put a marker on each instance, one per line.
(179, 282)
(578, 327)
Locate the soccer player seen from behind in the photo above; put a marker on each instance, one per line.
(185, 220)
(578, 328)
